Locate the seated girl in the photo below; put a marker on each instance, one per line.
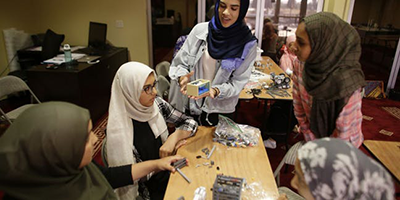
(46, 154)
(137, 129)
(287, 59)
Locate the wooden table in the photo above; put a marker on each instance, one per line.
(245, 95)
(388, 153)
(251, 163)
(277, 70)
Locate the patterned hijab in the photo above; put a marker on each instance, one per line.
(40, 154)
(228, 42)
(335, 169)
(332, 72)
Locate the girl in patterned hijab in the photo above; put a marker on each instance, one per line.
(331, 168)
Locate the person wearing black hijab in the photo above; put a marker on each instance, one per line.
(221, 51)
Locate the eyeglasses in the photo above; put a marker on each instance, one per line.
(149, 88)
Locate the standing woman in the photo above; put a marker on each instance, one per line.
(222, 51)
(327, 82)
(137, 129)
(269, 40)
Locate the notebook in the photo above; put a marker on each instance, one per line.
(88, 58)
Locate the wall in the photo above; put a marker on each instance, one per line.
(17, 14)
(381, 11)
(361, 12)
(72, 19)
(187, 8)
(339, 7)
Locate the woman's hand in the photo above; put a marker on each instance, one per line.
(214, 92)
(168, 147)
(166, 163)
(184, 80)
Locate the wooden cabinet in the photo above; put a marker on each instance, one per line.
(86, 85)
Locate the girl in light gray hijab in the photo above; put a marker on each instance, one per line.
(331, 168)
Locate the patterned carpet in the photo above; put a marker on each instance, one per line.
(99, 131)
(393, 111)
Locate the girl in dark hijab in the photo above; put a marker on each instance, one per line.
(46, 154)
(221, 51)
(328, 80)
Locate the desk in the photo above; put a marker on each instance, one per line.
(245, 93)
(277, 70)
(386, 152)
(251, 163)
(87, 85)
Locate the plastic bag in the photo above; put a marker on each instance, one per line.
(236, 135)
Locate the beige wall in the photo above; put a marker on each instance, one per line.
(20, 17)
(187, 8)
(72, 19)
(339, 7)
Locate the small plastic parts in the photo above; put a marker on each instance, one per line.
(231, 134)
(200, 193)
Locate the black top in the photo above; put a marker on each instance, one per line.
(117, 176)
(148, 148)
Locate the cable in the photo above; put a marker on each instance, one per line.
(8, 65)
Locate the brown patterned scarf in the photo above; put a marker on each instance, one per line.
(332, 72)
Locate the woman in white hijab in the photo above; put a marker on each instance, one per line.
(137, 129)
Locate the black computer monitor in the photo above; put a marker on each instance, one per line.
(97, 35)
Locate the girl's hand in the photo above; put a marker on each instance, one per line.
(184, 80)
(167, 149)
(166, 163)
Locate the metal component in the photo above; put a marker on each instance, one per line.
(227, 187)
(212, 150)
(181, 198)
(180, 163)
(183, 175)
(270, 93)
(205, 150)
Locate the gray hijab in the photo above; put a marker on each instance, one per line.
(335, 169)
(40, 154)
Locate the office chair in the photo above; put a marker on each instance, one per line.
(288, 159)
(10, 85)
(163, 86)
(162, 68)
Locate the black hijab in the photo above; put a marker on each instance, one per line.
(228, 42)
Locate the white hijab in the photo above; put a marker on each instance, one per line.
(124, 106)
